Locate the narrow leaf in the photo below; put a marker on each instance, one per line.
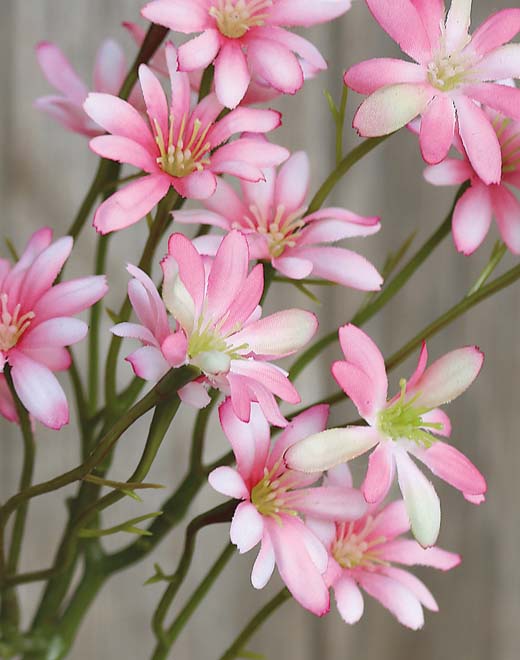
(128, 526)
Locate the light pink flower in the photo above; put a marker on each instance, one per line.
(476, 208)
(245, 38)
(274, 498)
(36, 325)
(272, 216)
(399, 428)
(179, 147)
(218, 327)
(455, 72)
(362, 554)
(109, 73)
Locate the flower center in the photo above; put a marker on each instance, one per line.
(352, 549)
(209, 350)
(12, 326)
(447, 71)
(510, 145)
(281, 232)
(403, 419)
(185, 155)
(270, 495)
(235, 17)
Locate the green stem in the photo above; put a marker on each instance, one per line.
(239, 644)
(10, 609)
(269, 274)
(206, 82)
(497, 255)
(199, 433)
(219, 514)
(163, 647)
(389, 291)
(340, 125)
(339, 172)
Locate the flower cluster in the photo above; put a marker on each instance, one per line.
(296, 497)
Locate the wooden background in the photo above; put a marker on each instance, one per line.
(45, 172)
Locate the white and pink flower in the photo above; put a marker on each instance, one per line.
(246, 38)
(272, 216)
(474, 211)
(398, 428)
(453, 73)
(109, 74)
(36, 325)
(361, 557)
(215, 306)
(273, 499)
(179, 146)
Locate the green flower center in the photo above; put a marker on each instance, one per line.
(235, 17)
(209, 350)
(269, 496)
(403, 419)
(12, 326)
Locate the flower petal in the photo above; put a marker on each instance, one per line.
(59, 72)
(124, 150)
(399, 600)
(472, 218)
(342, 266)
(232, 75)
(292, 183)
(228, 481)
(276, 64)
(380, 474)
(452, 466)
(69, 298)
(451, 172)
(329, 503)
(55, 332)
(504, 98)
(370, 75)
(507, 211)
(180, 15)
(410, 553)
(414, 585)
(198, 53)
(348, 599)
(497, 30)
(306, 12)
(148, 363)
(437, 129)
(110, 67)
(264, 564)
(247, 527)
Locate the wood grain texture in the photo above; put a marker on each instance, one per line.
(44, 173)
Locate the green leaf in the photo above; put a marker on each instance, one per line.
(128, 526)
(301, 287)
(394, 258)
(160, 576)
(251, 655)
(114, 317)
(332, 105)
(12, 250)
(120, 485)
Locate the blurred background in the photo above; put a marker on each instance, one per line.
(44, 175)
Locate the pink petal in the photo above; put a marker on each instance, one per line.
(503, 98)
(457, 25)
(119, 118)
(449, 376)
(247, 527)
(472, 218)
(453, 467)
(306, 12)
(497, 30)
(414, 585)
(246, 300)
(250, 442)
(370, 75)
(203, 217)
(325, 450)
(437, 129)
(420, 369)
(199, 185)
(39, 391)
(348, 599)
(507, 211)
(198, 53)
(175, 348)
(296, 567)
(180, 99)
(451, 172)
(243, 120)
(227, 276)
(269, 376)
(232, 75)
(55, 332)
(257, 391)
(148, 363)
(390, 522)
(69, 298)
(180, 15)
(380, 474)
(7, 406)
(258, 196)
(190, 268)
(123, 150)
(264, 564)
(131, 203)
(279, 334)
(305, 49)
(276, 64)
(294, 267)
(110, 68)
(334, 223)
(249, 151)
(195, 395)
(292, 183)
(226, 203)
(68, 114)
(432, 15)
(399, 600)
(363, 375)
(422, 503)
(44, 270)
(403, 24)
(54, 358)
(339, 476)
(134, 331)
(60, 74)
(410, 553)
(438, 416)
(501, 63)
(390, 108)
(342, 266)
(159, 321)
(228, 481)
(155, 100)
(329, 503)
(479, 139)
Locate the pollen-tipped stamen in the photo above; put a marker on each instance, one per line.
(12, 326)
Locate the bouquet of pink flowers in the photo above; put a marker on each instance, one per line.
(190, 123)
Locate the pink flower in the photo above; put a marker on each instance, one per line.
(475, 209)
(274, 498)
(218, 327)
(454, 74)
(398, 428)
(272, 216)
(36, 326)
(178, 147)
(109, 73)
(362, 554)
(245, 38)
